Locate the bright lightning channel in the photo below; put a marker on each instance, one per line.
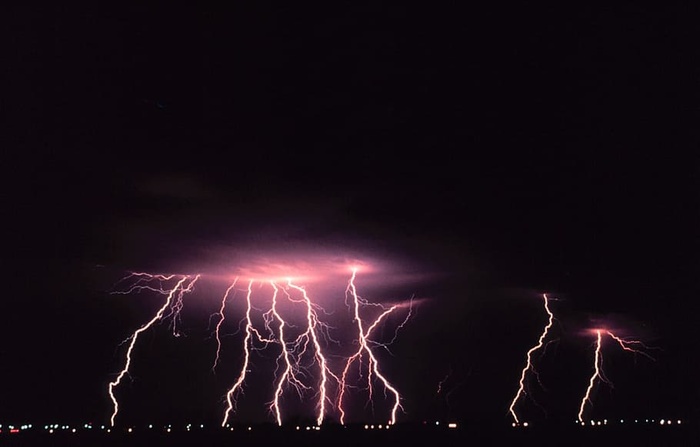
(528, 365)
(232, 393)
(173, 302)
(598, 373)
(298, 355)
(222, 316)
(319, 358)
(289, 374)
(364, 343)
(292, 352)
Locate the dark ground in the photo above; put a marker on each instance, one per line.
(651, 435)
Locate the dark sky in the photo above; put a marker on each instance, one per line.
(505, 151)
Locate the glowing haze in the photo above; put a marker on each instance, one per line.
(291, 310)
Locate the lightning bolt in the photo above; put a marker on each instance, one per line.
(289, 373)
(442, 382)
(626, 345)
(598, 373)
(172, 302)
(247, 346)
(311, 335)
(528, 365)
(364, 347)
(302, 364)
(220, 322)
(308, 341)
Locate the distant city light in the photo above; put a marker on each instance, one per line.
(78, 427)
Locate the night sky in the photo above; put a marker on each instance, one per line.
(483, 154)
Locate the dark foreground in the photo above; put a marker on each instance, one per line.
(652, 436)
